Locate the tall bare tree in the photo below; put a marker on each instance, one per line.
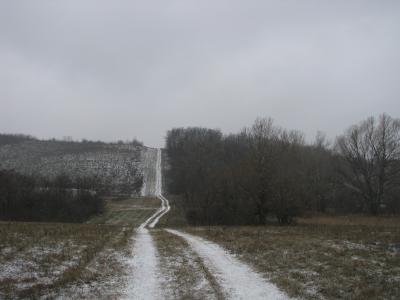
(372, 152)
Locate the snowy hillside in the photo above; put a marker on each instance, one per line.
(117, 166)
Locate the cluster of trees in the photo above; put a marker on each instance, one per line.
(268, 171)
(69, 139)
(24, 198)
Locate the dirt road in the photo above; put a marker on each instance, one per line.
(186, 266)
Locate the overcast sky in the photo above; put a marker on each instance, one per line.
(120, 69)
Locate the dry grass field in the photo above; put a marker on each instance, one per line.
(79, 261)
(321, 258)
(42, 260)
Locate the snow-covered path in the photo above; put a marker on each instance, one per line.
(149, 158)
(237, 280)
(164, 202)
(145, 280)
(153, 220)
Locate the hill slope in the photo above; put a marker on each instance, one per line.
(118, 167)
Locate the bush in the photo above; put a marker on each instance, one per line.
(23, 198)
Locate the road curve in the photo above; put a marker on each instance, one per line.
(235, 278)
(153, 220)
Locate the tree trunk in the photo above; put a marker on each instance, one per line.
(374, 206)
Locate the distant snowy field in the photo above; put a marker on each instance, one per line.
(117, 166)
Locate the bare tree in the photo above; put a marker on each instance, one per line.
(372, 152)
(261, 137)
(321, 141)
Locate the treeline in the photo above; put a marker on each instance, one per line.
(6, 139)
(24, 198)
(266, 171)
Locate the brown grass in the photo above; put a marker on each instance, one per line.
(49, 260)
(39, 259)
(387, 221)
(320, 261)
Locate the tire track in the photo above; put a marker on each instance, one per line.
(237, 280)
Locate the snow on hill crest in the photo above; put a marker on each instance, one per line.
(117, 166)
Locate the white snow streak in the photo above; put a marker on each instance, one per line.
(149, 158)
(237, 280)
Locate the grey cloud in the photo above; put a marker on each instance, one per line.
(118, 69)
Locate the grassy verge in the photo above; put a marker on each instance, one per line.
(132, 211)
(320, 261)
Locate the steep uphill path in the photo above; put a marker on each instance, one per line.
(153, 220)
(145, 281)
